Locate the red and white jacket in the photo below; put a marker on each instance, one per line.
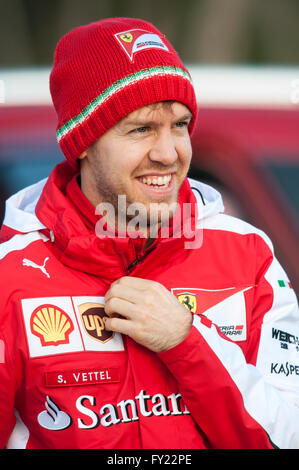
(65, 382)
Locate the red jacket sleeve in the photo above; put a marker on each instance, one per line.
(238, 400)
(7, 394)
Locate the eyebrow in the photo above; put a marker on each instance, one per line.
(145, 122)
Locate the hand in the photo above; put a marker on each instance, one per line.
(147, 312)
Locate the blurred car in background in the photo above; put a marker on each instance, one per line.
(246, 143)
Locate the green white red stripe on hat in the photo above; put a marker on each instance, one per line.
(115, 88)
(94, 83)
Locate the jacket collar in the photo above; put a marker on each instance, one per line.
(68, 214)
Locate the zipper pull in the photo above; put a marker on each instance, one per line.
(132, 265)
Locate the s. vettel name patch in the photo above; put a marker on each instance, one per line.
(73, 377)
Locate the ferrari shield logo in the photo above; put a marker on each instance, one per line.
(225, 307)
(93, 317)
(127, 37)
(188, 300)
(136, 40)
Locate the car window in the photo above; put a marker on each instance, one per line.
(286, 176)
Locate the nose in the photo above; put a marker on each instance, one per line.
(163, 149)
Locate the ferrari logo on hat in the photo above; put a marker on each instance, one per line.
(126, 37)
(136, 40)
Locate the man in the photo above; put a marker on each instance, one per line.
(133, 313)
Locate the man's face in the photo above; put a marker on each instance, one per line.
(145, 157)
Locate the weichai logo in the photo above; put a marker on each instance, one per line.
(51, 325)
(286, 339)
(93, 318)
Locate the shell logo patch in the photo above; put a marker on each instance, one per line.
(51, 325)
(60, 325)
(136, 40)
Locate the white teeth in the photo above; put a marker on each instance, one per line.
(157, 180)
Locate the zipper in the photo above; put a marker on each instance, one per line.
(140, 257)
(134, 263)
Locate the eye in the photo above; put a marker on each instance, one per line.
(140, 130)
(182, 124)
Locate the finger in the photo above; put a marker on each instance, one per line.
(120, 291)
(136, 282)
(119, 325)
(122, 307)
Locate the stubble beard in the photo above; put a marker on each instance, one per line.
(158, 212)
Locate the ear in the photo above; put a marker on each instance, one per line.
(83, 155)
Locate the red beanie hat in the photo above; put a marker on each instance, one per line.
(105, 70)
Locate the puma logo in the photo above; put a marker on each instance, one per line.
(31, 264)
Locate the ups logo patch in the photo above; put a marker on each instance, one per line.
(93, 318)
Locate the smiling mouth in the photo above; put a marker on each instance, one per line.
(156, 181)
